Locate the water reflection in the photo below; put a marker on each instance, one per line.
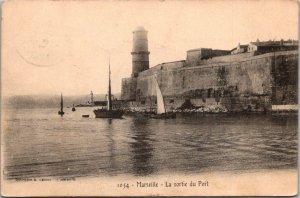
(110, 134)
(38, 143)
(142, 148)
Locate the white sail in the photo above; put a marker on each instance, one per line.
(160, 100)
(108, 102)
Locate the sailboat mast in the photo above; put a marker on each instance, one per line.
(109, 105)
(150, 104)
(61, 103)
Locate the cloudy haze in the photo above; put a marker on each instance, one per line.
(64, 46)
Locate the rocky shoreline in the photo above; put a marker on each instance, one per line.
(209, 110)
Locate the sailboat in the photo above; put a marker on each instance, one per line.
(73, 108)
(161, 112)
(108, 112)
(61, 112)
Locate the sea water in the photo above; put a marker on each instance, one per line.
(38, 143)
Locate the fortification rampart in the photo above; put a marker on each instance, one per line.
(163, 67)
(129, 89)
(252, 83)
(227, 58)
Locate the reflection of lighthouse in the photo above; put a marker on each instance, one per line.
(92, 99)
(142, 150)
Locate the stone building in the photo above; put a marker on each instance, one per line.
(254, 79)
(239, 49)
(271, 46)
(195, 56)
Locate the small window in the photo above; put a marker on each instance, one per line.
(171, 101)
(143, 102)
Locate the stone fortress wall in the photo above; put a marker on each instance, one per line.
(251, 81)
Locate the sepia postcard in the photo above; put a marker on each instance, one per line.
(149, 98)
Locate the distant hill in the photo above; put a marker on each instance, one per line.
(48, 101)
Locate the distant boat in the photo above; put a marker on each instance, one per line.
(108, 112)
(161, 112)
(73, 108)
(61, 112)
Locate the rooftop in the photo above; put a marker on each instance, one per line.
(241, 46)
(275, 43)
(139, 28)
(198, 49)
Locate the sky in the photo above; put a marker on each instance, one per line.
(49, 47)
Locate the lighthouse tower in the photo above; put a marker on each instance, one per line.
(140, 53)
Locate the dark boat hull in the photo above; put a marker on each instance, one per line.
(61, 113)
(103, 113)
(163, 116)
